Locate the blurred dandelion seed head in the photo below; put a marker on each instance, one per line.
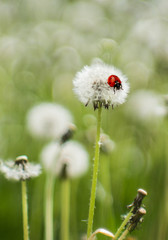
(49, 156)
(90, 85)
(75, 157)
(70, 156)
(48, 120)
(20, 169)
(146, 106)
(156, 42)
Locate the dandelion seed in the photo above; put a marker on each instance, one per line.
(48, 120)
(101, 84)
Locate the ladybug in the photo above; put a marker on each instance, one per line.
(115, 82)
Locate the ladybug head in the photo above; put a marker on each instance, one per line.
(114, 81)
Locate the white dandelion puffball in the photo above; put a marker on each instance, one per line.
(146, 106)
(101, 83)
(20, 169)
(71, 154)
(49, 156)
(48, 120)
(74, 157)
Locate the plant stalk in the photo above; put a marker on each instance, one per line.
(25, 211)
(49, 192)
(124, 234)
(95, 175)
(65, 208)
(123, 224)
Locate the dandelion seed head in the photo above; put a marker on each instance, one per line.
(91, 85)
(49, 156)
(146, 106)
(69, 158)
(74, 157)
(15, 170)
(48, 120)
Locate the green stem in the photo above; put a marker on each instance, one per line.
(65, 208)
(95, 175)
(49, 192)
(74, 226)
(107, 210)
(124, 234)
(25, 211)
(123, 224)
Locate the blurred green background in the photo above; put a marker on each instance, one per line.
(42, 45)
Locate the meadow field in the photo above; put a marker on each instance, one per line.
(43, 44)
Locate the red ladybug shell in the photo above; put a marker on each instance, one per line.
(112, 80)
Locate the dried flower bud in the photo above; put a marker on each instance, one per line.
(138, 200)
(136, 219)
(103, 232)
(69, 133)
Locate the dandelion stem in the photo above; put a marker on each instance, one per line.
(25, 211)
(65, 204)
(49, 191)
(124, 234)
(95, 175)
(123, 224)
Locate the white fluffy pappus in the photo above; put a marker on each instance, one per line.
(74, 157)
(146, 106)
(18, 171)
(91, 85)
(49, 156)
(48, 120)
(67, 160)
